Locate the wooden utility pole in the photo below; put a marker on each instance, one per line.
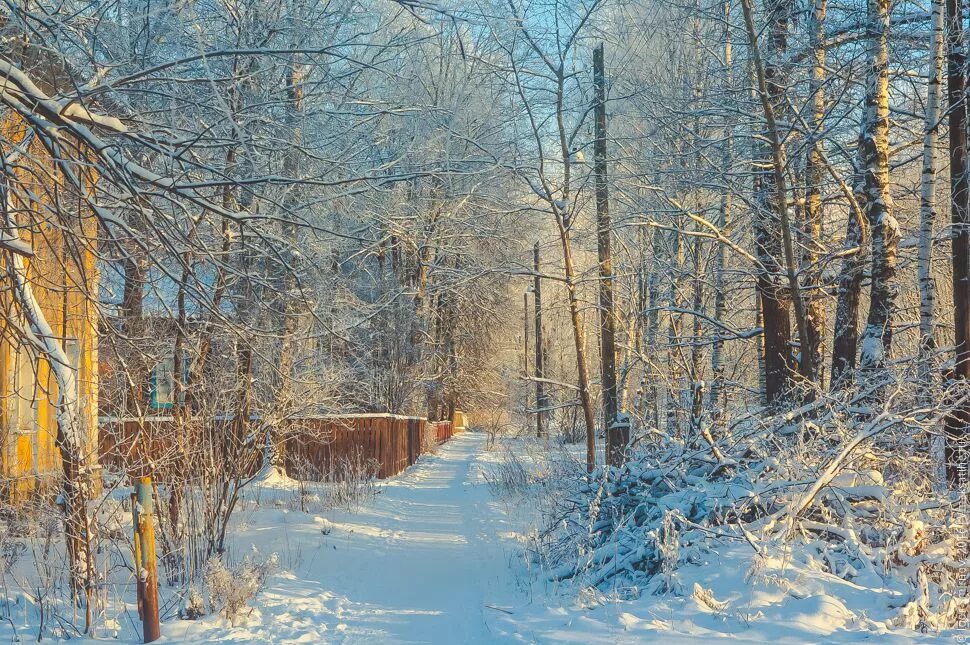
(146, 570)
(539, 358)
(957, 421)
(616, 436)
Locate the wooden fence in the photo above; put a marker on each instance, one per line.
(443, 430)
(314, 449)
(325, 447)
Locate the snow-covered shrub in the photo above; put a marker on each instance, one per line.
(304, 477)
(507, 476)
(668, 550)
(46, 585)
(354, 482)
(843, 487)
(231, 588)
(193, 608)
(497, 423)
(522, 464)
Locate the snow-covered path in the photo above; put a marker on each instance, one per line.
(436, 558)
(432, 566)
(420, 563)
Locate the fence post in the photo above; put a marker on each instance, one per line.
(139, 591)
(145, 560)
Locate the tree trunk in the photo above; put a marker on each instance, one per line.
(76, 455)
(927, 211)
(525, 336)
(579, 339)
(201, 366)
(775, 301)
(957, 422)
(877, 337)
(539, 358)
(698, 267)
(813, 345)
(653, 327)
(616, 439)
(272, 455)
(676, 396)
(845, 345)
(724, 222)
(132, 311)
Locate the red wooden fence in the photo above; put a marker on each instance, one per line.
(390, 442)
(316, 449)
(443, 430)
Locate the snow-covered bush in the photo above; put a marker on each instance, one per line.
(508, 475)
(843, 487)
(354, 482)
(231, 588)
(193, 607)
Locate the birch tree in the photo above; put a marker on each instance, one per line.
(876, 340)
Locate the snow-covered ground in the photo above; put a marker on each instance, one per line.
(446, 553)
(423, 562)
(437, 557)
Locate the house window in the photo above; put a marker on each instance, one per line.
(25, 405)
(24, 409)
(72, 347)
(163, 384)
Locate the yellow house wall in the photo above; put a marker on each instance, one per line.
(64, 279)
